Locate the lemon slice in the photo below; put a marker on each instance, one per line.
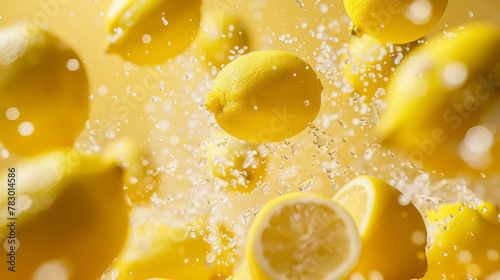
(393, 231)
(302, 236)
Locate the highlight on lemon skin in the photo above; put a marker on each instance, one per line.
(265, 96)
(149, 32)
(393, 232)
(465, 241)
(222, 38)
(302, 236)
(439, 101)
(68, 205)
(44, 91)
(237, 166)
(397, 22)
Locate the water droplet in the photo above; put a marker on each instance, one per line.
(26, 128)
(12, 114)
(73, 64)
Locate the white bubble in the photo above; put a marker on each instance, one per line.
(12, 114)
(420, 11)
(102, 90)
(418, 237)
(464, 256)
(26, 128)
(73, 64)
(492, 254)
(478, 139)
(14, 244)
(174, 140)
(146, 38)
(54, 270)
(455, 74)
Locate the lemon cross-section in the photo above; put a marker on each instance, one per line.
(302, 236)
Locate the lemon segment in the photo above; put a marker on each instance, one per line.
(441, 91)
(302, 236)
(222, 38)
(465, 242)
(393, 234)
(149, 32)
(68, 206)
(237, 165)
(397, 22)
(265, 96)
(177, 250)
(42, 82)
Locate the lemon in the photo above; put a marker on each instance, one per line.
(149, 32)
(302, 236)
(138, 179)
(160, 247)
(265, 96)
(72, 216)
(243, 274)
(440, 92)
(465, 241)
(43, 91)
(369, 63)
(239, 166)
(222, 38)
(393, 233)
(396, 21)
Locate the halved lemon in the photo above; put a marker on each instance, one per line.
(392, 230)
(302, 236)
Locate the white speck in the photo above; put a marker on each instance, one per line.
(102, 90)
(323, 8)
(12, 114)
(174, 140)
(478, 139)
(146, 38)
(464, 256)
(73, 64)
(55, 270)
(26, 128)
(455, 74)
(471, 14)
(418, 237)
(420, 11)
(307, 103)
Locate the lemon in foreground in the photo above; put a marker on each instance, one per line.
(370, 63)
(302, 236)
(149, 32)
(239, 166)
(445, 88)
(72, 216)
(265, 96)
(44, 92)
(393, 233)
(158, 247)
(465, 242)
(397, 22)
(222, 38)
(138, 179)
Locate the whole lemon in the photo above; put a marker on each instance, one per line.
(265, 96)
(149, 32)
(441, 91)
(395, 21)
(222, 38)
(465, 241)
(44, 91)
(71, 216)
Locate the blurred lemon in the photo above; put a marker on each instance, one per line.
(43, 91)
(222, 38)
(302, 236)
(138, 179)
(238, 165)
(72, 216)
(370, 63)
(392, 230)
(149, 32)
(465, 242)
(243, 274)
(397, 21)
(440, 92)
(265, 96)
(176, 250)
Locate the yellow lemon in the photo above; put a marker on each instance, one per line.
(222, 38)
(265, 96)
(138, 179)
(239, 166)
(149, 32)
(369, 63)
(440, 92)
(72, 216)
(43, 91)
(243, 274)
(158, 247)
(395, 21)
(302, 236)
(465, 242)
(392, 230)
